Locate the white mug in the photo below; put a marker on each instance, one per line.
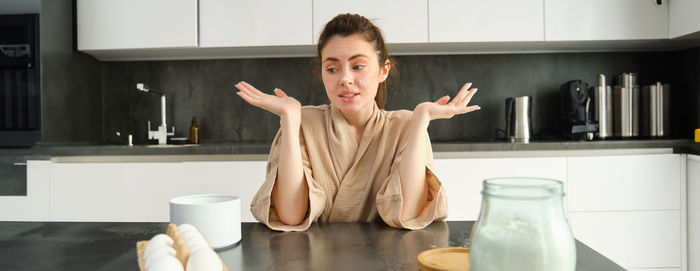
(217, 217)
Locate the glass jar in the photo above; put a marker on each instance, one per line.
(522, 226)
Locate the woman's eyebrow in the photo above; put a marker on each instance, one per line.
(330, 59)
(357, 55)
(351, 58)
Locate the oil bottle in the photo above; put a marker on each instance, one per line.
(194, 132)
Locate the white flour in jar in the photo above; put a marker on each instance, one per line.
(520, 245)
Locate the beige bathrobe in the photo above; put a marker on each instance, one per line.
(348, 182)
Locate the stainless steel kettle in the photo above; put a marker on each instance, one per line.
(518, 119)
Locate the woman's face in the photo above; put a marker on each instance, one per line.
(351, 73)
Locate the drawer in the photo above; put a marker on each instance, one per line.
(624, 183)
(463, 207)
(632, 239)
(465, 176)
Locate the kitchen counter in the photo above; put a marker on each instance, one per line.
(259, 151)
(325, 246)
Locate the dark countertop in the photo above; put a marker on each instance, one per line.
(325, 246)
(45, 152)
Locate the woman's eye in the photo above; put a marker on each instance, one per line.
(359, 67)
(331, 70)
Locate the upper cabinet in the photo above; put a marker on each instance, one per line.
(254, 23)
(684, 17)
(486, 21)
(136, 24)
(401, 21)
(584, 20)
(204, 29)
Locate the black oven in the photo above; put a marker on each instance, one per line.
(20, 80)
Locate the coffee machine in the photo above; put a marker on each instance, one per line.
(576, 111)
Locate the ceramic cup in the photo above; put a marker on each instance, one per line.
(217, 217)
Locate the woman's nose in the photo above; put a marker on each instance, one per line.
(346, 79)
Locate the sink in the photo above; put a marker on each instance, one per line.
(170, 145)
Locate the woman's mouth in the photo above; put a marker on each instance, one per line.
(348, 97)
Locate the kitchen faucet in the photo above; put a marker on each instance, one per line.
(162, 133)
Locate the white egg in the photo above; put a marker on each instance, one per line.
(160, 240)
(197, 246)
(166, 263)
(158, 253)
(204, 260)
(192, 234)
(186, 227)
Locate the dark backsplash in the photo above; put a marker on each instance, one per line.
(71, 94)
(88, 101)
(204, 88)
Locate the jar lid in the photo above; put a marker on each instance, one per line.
(446, 258)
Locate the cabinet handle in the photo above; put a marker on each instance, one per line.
(20, 164)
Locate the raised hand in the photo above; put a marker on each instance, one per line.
(443, 108)
(279, 104)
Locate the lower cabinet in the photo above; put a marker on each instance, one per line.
(142, 191)
(630, 208)
(114, 191)
(640, 239)
(693, 188)
(34, 206)
(463, 178)
(241, 178)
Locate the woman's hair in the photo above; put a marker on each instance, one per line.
(350, 24)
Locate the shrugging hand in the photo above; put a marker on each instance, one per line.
(443, 108)
(279, 104)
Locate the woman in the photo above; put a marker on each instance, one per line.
(351, 160)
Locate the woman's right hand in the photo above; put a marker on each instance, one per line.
(279, 104)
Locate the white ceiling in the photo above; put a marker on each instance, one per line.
(19, 6)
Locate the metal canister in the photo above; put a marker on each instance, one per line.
(655, 110)
(626, 106)
(603, 112)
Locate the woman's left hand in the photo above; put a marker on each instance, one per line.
(443, 108)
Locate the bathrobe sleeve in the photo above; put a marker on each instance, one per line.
(390, 200)
(262, 207)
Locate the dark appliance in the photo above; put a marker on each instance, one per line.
(576, 108)
(20, 81)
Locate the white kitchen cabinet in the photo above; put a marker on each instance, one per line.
(254, 23)
(693, 198)
(486, 21)
(630, 208)
(114, 191)
(87, 192)
(401, 21)
(586, 20)
(683, 17)
(641, 239)
(463, 178)
(135, 24)
(625, 183)
(238, 178)
(149, 187)
(35, 205)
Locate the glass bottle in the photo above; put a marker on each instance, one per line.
(194, 132)
(522, 226)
